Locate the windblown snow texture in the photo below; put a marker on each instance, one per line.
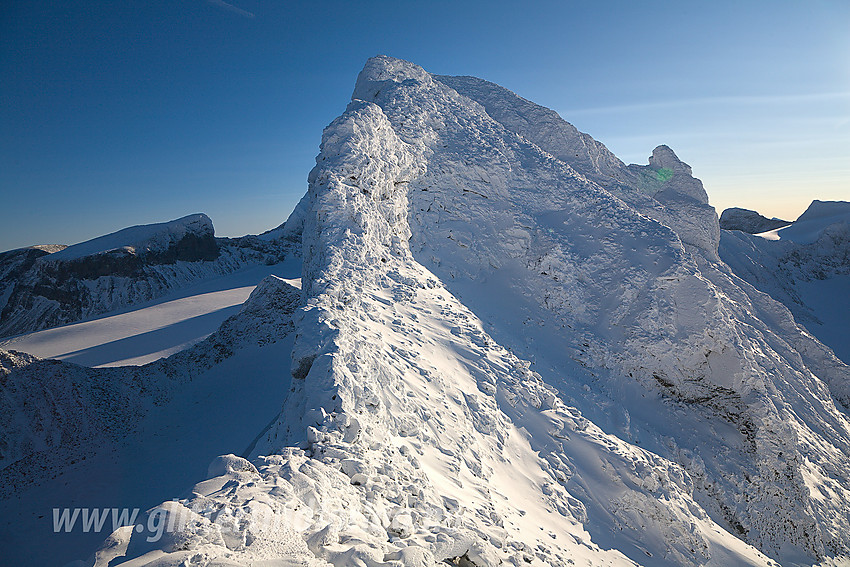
(454, 234)
(78, 436)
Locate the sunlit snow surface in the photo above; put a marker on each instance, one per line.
(500, 355)
(150, 330)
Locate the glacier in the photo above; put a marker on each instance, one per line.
(509, 347)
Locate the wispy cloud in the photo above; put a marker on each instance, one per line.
(231, 8)
(711, 101)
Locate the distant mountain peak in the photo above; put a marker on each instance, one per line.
(142, 239)
(745, 220)
(825, 209)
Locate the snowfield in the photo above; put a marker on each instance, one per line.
(151, 330)
(508, 348)
(76, 437)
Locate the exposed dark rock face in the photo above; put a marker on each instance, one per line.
(127, 262)
(749, 221)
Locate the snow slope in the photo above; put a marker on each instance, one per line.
(663, 190)
(805, 266)
(149, 331)
(141, 239)
(122, 437)
(126, 268)
(673, 415)
(818, 217)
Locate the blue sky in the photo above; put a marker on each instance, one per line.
(122, 113)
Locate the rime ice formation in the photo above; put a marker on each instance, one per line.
(511, 348)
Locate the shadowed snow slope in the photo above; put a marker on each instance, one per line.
(454, 234)
(75, 437)
(806, 266)
(149, 331)
(820, 216)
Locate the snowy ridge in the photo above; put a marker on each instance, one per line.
(77, 436)
(381, 431)
(674, 415)
(810, 278)
(75, 405)
(542, 126)
(412, 436)
(664, 190)
(142, 239)
(745, 220)
(628, 302)
(817, 218)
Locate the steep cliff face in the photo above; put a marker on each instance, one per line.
(627, 298)
(673, 415)
(130, 266)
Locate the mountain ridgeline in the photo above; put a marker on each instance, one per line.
(511, 348)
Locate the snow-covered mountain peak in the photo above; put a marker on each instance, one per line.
(676, 174)
(382, 68)
(540, 125)
(664, 190)
(141, 239)
(746, 220)
(663, 157)
(819, 217)
(39, 289)
(825, 209)
(512, 352)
